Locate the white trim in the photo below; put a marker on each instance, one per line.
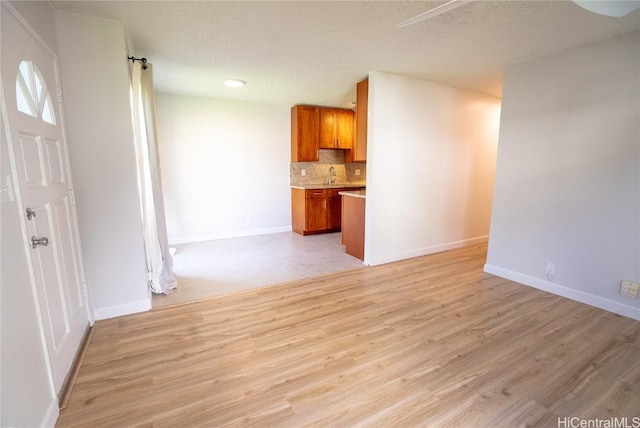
(569, 293)
(51, 415)
(239, 234)
(122, 309)
(425, 251)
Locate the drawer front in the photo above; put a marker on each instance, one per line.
(314, 194)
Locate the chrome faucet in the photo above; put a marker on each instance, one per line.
(330, 179)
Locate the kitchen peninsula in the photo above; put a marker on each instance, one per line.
(353, 214)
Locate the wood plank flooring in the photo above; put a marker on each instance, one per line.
(432, 341)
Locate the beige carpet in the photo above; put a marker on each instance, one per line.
(214, 268)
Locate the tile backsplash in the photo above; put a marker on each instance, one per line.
(317, 172)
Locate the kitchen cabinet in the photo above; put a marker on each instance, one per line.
(316, 210)
(359, 151)
(336, 128)
(305, 133)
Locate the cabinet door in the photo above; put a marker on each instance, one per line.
(316, 215)
(328, 129)
(336, 128)
(305, 133)
(334, 212)
(359, 152)
(344, 129)
(334, 208)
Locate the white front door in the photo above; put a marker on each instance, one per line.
(44, 191)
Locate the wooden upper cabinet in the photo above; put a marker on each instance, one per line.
(336, 128)
(359, 152)
(305, 133)
(346, 123)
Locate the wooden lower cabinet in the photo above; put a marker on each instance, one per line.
(353, 214)
(334, 213)
(315, 215)
(316, 210)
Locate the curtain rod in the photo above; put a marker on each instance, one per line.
(142, 60)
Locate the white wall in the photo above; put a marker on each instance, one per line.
(568, 175)
(430, 167)
(27, 397)
(225, 167)
(95, 86)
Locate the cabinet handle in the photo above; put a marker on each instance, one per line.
(324, 204)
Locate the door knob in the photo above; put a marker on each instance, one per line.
(44, 241)
(30, 214)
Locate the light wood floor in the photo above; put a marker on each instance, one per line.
(431, 341)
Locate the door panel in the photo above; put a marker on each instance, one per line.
(53, 164)
(30, 149)
(46, 271)
(39, 157)
(62, 224)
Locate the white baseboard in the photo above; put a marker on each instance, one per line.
(570, 293)
(424, 251)
(51, 416)
(237, 234)
(122, 309)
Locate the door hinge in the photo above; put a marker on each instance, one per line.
(59, 93)
(84, 289)
(72, 197)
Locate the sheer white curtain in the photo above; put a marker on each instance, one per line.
(159, 261)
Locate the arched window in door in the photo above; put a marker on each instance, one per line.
(32, 94)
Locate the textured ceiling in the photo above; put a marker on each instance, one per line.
(315, 51)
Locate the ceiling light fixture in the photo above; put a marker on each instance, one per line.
(614, 8)
(234, 83)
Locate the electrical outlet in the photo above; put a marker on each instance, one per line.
(303, 172)
(629, 289)
(357, 172)
(550, 271)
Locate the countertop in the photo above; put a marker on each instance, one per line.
(355, 193)
(330, 186)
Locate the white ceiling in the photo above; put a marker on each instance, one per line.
(314, 52)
